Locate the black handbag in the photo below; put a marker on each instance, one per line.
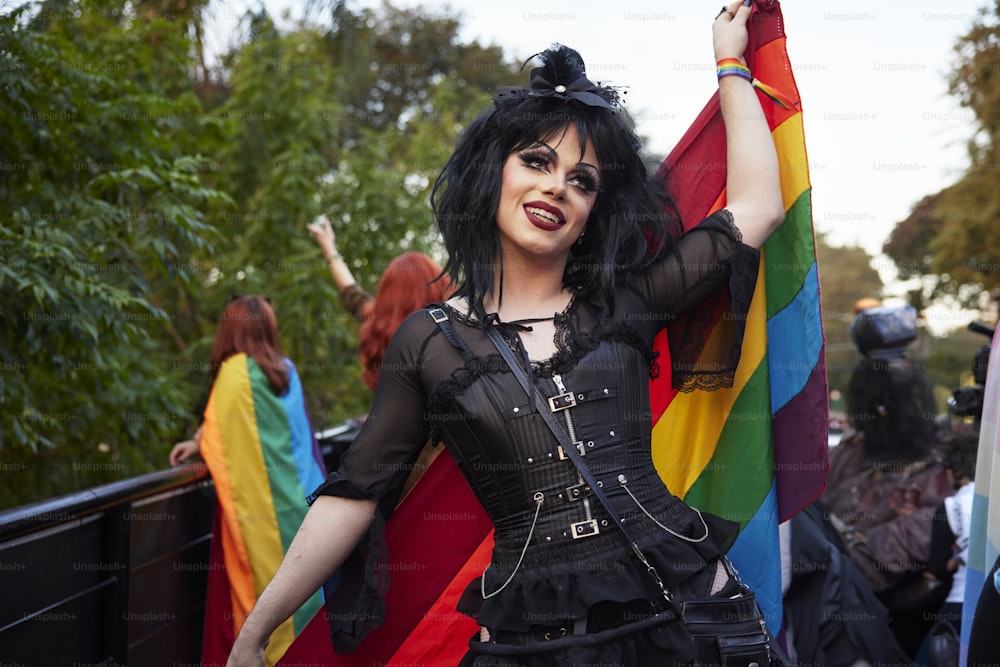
(725, 631)
(730, 631)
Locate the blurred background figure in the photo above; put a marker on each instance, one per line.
(950, 550)
(832, 615)
(407, 285)
(258, 444)
(410, 282)
(886, 480)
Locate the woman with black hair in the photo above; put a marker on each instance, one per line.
(567, 267)
(886, 481)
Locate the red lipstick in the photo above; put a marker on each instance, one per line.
(544, 216)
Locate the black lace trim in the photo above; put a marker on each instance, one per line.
(693, 378)
(695, 329)
(571, 347)
(439, 402)
(727, 217)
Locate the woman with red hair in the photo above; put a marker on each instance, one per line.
(408, 284)
(257, 442)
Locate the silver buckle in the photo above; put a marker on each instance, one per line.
(580, 447)
(438, 315)
(584, 529)
(568, 400)
(577, 492)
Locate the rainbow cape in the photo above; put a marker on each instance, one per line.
(754, 453)
(984, 539)
(264, 461)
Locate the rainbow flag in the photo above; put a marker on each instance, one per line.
(755, 453)
(264, 461)
(439, 539)
(984, 539)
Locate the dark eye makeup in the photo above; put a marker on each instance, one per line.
(541, 157)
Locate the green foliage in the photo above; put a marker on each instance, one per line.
(143, 189)
(101, 196)
(949, 238)
(846, 275)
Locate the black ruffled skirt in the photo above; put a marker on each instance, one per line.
(603, 609)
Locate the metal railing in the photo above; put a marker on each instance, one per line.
(115, 574)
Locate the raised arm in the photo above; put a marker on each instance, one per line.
(322, 231)
(331, 530)
(753, 185)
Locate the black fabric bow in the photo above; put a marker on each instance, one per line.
(511, 328)
(581, 90)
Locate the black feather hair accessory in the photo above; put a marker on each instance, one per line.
(563, 75)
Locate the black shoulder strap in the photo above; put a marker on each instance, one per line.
(440, 318)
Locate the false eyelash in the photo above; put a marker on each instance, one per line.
(588, 183)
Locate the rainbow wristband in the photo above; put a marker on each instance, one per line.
(733, 67)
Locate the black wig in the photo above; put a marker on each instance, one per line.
(631, 223)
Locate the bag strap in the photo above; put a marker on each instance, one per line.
(570, 449)
(778, 656)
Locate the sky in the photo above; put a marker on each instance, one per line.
(881, 129)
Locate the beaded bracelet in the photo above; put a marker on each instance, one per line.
(733, 67)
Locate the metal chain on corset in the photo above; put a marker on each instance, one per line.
(539, 499)
(624, 484)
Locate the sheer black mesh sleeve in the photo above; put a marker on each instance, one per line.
(703, 288)
(375, 467)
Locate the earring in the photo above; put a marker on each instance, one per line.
(579, 239)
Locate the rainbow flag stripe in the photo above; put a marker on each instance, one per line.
(264, 461)
(754, 453)
(984, 538)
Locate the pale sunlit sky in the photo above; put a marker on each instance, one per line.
(881, 129)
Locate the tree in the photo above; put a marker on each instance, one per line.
(374, 119)
(141, 192)
(950, 235)
(102, 198)
(846, 274)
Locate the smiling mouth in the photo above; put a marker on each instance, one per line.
(547, 216)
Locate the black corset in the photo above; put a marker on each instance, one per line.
(529, 487)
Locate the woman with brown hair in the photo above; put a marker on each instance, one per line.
(257, 442)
